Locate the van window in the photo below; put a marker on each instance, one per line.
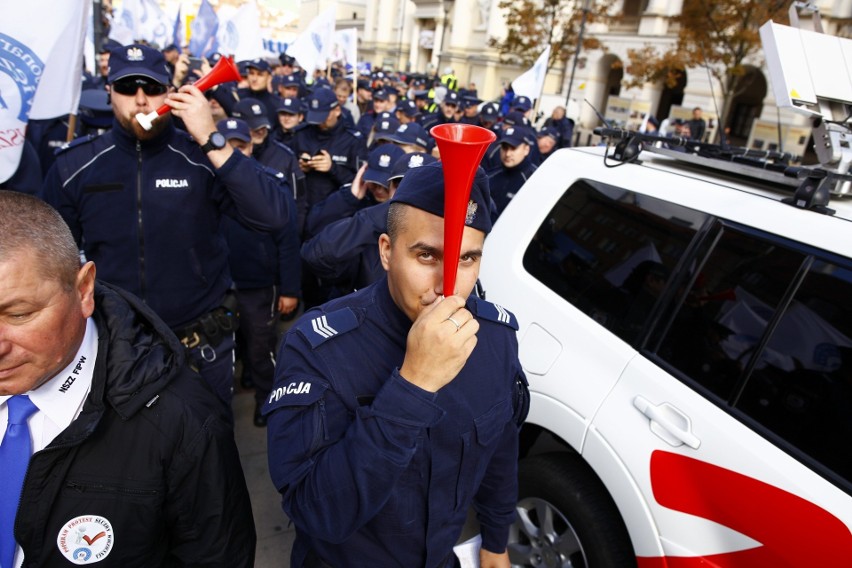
(609, 252)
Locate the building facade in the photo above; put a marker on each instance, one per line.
(431, 35)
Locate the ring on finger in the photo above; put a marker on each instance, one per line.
(455, 323)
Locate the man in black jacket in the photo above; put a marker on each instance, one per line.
(132, 460)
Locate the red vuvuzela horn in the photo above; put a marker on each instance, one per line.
(462, 147)
(225, 70)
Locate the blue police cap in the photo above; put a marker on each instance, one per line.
(138, 60)
(363, 84)
(320, 103)
(385, 126)
(253, 112)
(412, 133)
(381, 94)
(234, 128)
(521, 103)
(380, 163)
(259, 64)
(110, 45)
(408, 108)
(421, 94)
(291, 80)
(423, 188)
(515, 136)
(452, 98)
(516, 118)
(549, 131)
(286, 59)
(489, 112)
(289, 105)
(409, 161)
(95, 109)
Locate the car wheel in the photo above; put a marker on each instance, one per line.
(566, 517)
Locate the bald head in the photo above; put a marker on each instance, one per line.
(31, 225)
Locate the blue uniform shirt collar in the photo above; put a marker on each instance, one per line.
(397, 321)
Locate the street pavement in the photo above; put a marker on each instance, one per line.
(275, 534)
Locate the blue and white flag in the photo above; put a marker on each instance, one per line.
(147, 21)
(531, 83)
(313, 48)
(241, 36)
(40, 67)
(345, 47)
(202, 41)
(178, 32)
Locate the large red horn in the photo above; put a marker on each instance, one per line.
(462, 147)
(225, 70)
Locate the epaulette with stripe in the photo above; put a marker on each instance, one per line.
(323, 327)
(76, 142)
(494, 312)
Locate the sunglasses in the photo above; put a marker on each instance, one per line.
(131, 85)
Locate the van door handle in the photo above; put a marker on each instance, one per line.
(669, 423)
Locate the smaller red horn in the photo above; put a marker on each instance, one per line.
(224, 71)
(462, 147)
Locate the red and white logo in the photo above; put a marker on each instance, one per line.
(86, 539)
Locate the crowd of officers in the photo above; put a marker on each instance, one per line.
(335, 148)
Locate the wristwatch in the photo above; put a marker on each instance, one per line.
(215, 142)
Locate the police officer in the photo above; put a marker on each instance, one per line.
(383, 130)
(446, 113)
(345, 251)
(290, 118)
(146, 206)
(381, 103)
(470, 110)
(407, 111)
(547, 141)
(369, 187)
(259, 79)
(266, 269)
(396, 408)
(516, 166)
(328, 153)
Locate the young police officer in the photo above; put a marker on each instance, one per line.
(397, 407)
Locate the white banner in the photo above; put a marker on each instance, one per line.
(146, 20)
(40, 67)
(241, 36)
(313, 48)
(345, 48)
(531, 83)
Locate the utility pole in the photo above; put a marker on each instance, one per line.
(577, 51)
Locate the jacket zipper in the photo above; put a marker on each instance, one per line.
(84, 487)
(139, 220)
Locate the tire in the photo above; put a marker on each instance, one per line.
(566, 517)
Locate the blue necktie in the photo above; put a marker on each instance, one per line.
(15, 453)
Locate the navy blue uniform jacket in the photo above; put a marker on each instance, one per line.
(375, 471)
(148, 214)
(347, 150)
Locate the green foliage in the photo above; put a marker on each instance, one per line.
(532, 24)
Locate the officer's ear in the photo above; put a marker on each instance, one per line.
(385, 250)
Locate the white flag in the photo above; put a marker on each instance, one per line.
(345, 47)
(241, 35)
(531, 83)
(313, 48)
(40, 67)
(146, 20)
